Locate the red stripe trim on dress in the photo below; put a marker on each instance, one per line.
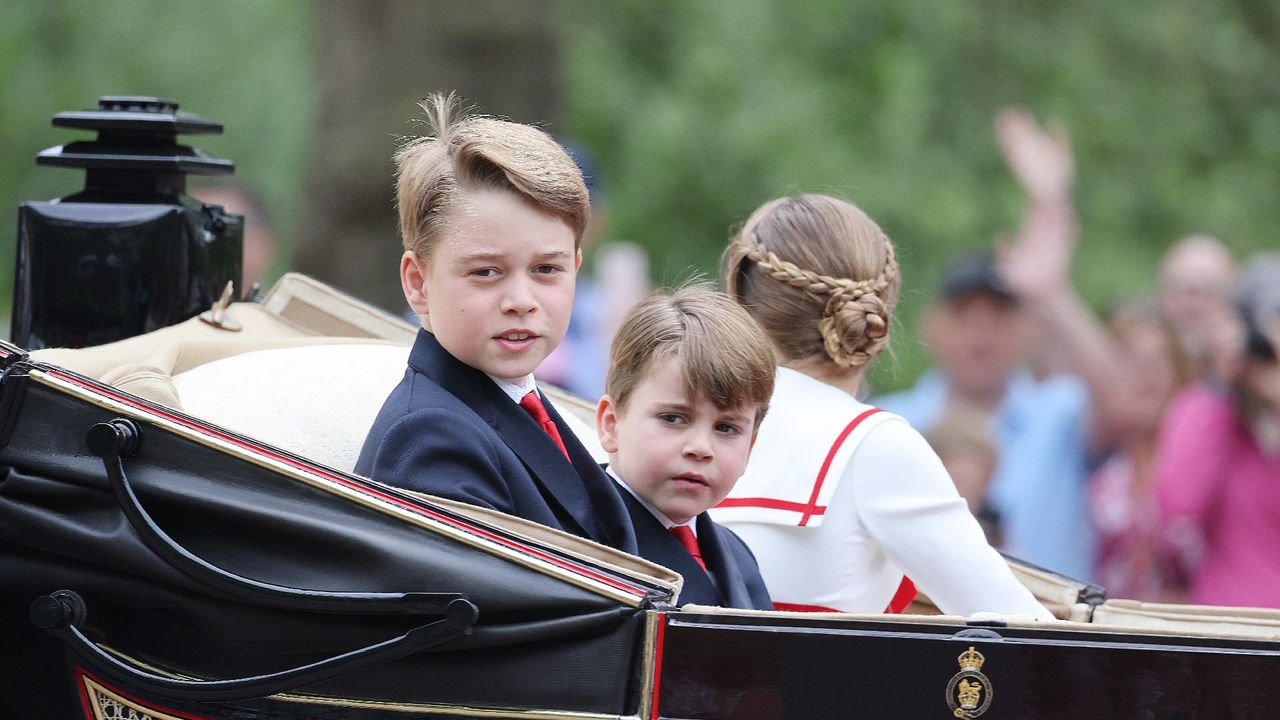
(903, 597)
(259, 449)
(826, 464)
(773, 504)
(812, 508)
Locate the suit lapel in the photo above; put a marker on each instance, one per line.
(604, 498)
(720, 562)
(560, 482)
(557, 477)
(657, 544)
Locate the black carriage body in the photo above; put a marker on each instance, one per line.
(559, 635)
(554, 632)
(756, 667)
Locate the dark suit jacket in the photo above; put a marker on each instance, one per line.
(737, 576)
(447, 429)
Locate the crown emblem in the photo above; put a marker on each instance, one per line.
(969, 693)
(971, 659)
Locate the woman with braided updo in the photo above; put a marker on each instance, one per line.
(841, 502)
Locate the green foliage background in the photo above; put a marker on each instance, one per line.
(700, 110)
(243, 63)
(703, 110)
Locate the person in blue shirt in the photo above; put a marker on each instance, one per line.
(1013, 341)
(977, 332)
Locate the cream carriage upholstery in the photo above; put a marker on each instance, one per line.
(307, 372)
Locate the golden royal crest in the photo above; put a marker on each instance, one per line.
(969, 693)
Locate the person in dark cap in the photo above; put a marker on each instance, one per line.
(993, 315)
(976, 274)
(979, 331)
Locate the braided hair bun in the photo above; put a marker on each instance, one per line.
(818, 275)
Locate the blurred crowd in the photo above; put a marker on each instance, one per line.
(1140, 450)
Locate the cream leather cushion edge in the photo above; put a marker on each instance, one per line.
(316, 401)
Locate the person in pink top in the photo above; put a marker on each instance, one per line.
(1136, 558)
(1218, 462)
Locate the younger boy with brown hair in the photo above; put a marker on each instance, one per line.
(491, 217)
(688, 383)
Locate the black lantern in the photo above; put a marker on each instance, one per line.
(132, 252)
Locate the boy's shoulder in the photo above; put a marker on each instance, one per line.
(427, 408)
(420, 398)
(436, 379)
(418, 415)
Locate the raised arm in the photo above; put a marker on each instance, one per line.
(1037, 264)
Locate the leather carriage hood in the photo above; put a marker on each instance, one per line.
(268, 516)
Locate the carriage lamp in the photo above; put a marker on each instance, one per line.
(131, 252)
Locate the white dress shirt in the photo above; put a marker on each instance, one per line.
(516, 391)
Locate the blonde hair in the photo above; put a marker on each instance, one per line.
(717, 342)
(963, 432)
(463, 154)
(842, 312)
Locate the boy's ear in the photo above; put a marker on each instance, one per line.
(577, 260)
(413, 281)
(607, 424)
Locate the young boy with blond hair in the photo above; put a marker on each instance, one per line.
(491, 216)
(688, 383)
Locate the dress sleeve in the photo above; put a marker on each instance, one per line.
(908, 504)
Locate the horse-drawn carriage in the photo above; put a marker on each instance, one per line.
(182, 538)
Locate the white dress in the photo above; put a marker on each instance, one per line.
(840, 500)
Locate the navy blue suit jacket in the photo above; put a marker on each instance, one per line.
(737, 584)
(447, 429)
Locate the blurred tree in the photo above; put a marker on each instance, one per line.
(375, 59)
(701, 111)
(697, 111)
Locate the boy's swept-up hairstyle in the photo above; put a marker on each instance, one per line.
(719, 346)
(819, 276)
(462, 154)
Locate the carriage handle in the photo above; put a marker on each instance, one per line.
(112, 441)
(61, 612)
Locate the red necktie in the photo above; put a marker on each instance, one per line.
(686, 537)
(532, 404)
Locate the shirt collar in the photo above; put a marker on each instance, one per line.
(661, 516)
(515, 391)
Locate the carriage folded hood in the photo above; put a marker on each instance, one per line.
(268, 518)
